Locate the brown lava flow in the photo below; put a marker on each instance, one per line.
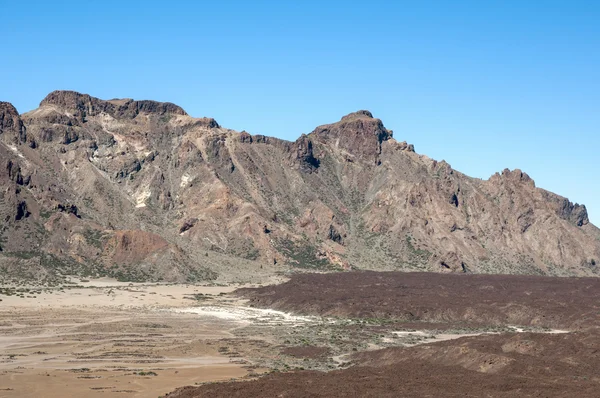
(494, 365)
(426, 297)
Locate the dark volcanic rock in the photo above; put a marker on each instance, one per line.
(245, 137)
(69, 209)
(9, 117)
(10, 122)
(187, 225)
(85, 105)
(132, 108)
(69, 136)
(334, 235)
(575, 213)
(304, 155)
(80, 104)
(22, 211)
(358, 133)
(14, 172)
(567, 303)
(505, 365)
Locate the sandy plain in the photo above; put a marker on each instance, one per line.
(110, 339)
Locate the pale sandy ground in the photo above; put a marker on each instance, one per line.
(427, 337)
(96, 339)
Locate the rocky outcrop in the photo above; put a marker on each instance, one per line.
(573, 212)
(334, 235)
(69, 209)
(21, 211)
(13, 171)
(11, 123)
(303, 154)
(187, 225)
(9, 117)
(131, 109)
(245, 137)
(83, 105)
(357, 133)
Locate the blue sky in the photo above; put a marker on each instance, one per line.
(483, 85)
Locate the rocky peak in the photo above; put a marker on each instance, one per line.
(10, 120)
(85, 105)
(575, 213)
(9, 117)
(515, 176)
(80, 105)
(358, 114)
(6, 108)
(68, 99)
(207, 122)
(358, 133)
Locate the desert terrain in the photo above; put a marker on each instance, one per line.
(107, 338)
(342, 334)
(143, 250)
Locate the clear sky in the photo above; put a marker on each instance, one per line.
(484, 85)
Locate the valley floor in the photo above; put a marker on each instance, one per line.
(110, 339)
(360, 334)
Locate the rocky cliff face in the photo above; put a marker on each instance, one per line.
(142, 191)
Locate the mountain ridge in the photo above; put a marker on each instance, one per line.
(142, 190)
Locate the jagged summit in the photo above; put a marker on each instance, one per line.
(358, 114)
(6, 108)
(141, 190)
(84, 104)
(10, 122)
(358, 133)
(9, 117)
(516, 175)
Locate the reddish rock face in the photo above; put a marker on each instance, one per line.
(358, 133)
(142, 184)
(134, 246)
